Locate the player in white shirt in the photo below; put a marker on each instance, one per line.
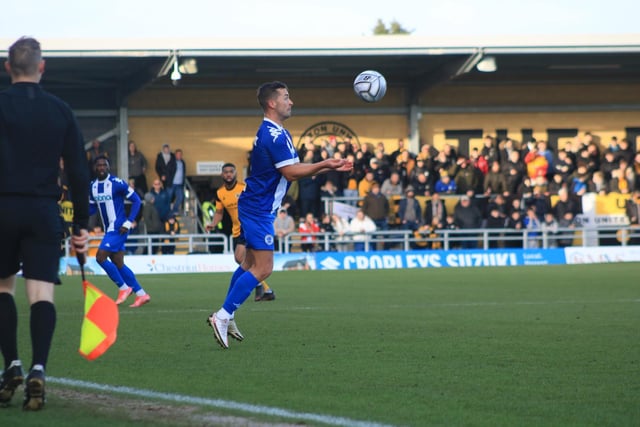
(106, 196)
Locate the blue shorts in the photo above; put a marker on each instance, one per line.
(257, 232)
(113, 241)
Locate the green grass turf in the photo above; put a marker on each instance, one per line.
(526, 346)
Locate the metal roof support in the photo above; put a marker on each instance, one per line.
(415, 115)
(168, 64)
(123, 143)
(471, 62)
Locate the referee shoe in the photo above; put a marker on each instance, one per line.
(34, 391)
(10, 381)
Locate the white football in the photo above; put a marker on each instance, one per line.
(370, 86)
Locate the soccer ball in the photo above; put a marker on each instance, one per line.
(370, 86)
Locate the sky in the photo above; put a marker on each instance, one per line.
(319, 18)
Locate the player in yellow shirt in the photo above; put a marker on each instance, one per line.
(227, 199)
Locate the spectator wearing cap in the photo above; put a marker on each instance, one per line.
(409, 211)
(380, 172)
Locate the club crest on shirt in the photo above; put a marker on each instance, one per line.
(268, 239)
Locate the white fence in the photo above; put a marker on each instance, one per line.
(391, 239)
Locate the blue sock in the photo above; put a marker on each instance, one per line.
(239, 271)
(112, 271)
(130, 278)
(245, 284)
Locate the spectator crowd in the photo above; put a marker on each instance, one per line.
(500, 185)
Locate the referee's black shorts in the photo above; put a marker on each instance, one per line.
(31, 232)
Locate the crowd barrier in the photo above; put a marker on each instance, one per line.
(392, 259)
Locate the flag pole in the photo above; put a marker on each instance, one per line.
(82, 258)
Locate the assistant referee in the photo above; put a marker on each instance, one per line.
(36, 130)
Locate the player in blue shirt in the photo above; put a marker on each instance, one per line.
(274, 164)
(106, 196)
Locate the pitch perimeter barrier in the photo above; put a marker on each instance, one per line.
(372, 260)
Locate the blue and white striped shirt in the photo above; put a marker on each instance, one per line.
(107, 197)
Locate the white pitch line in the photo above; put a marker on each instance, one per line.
(217, 403)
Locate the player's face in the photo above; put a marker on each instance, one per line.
(228, 175)
(283, 104)
(102, 169)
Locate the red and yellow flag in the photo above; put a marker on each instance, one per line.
(100, 324)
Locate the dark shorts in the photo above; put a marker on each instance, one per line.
(239, 241)
(32, 231)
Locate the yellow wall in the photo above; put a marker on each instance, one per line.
(603, 125)
(533, 94)
(232, 98)
(229, 139)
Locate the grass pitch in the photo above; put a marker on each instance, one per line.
(526, 346)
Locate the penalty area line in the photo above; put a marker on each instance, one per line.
(216, 403)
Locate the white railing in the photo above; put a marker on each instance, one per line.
(476, 238)
(140, 244)
(390, 239)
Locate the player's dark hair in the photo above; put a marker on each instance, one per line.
(266, 91)
(228, 165)
(101, 157)
(25, 56)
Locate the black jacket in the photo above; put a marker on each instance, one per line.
(36, 130)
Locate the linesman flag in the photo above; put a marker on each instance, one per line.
(100, 323)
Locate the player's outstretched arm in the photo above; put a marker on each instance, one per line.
(302, 170)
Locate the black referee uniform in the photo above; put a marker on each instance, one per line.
(36, 130)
